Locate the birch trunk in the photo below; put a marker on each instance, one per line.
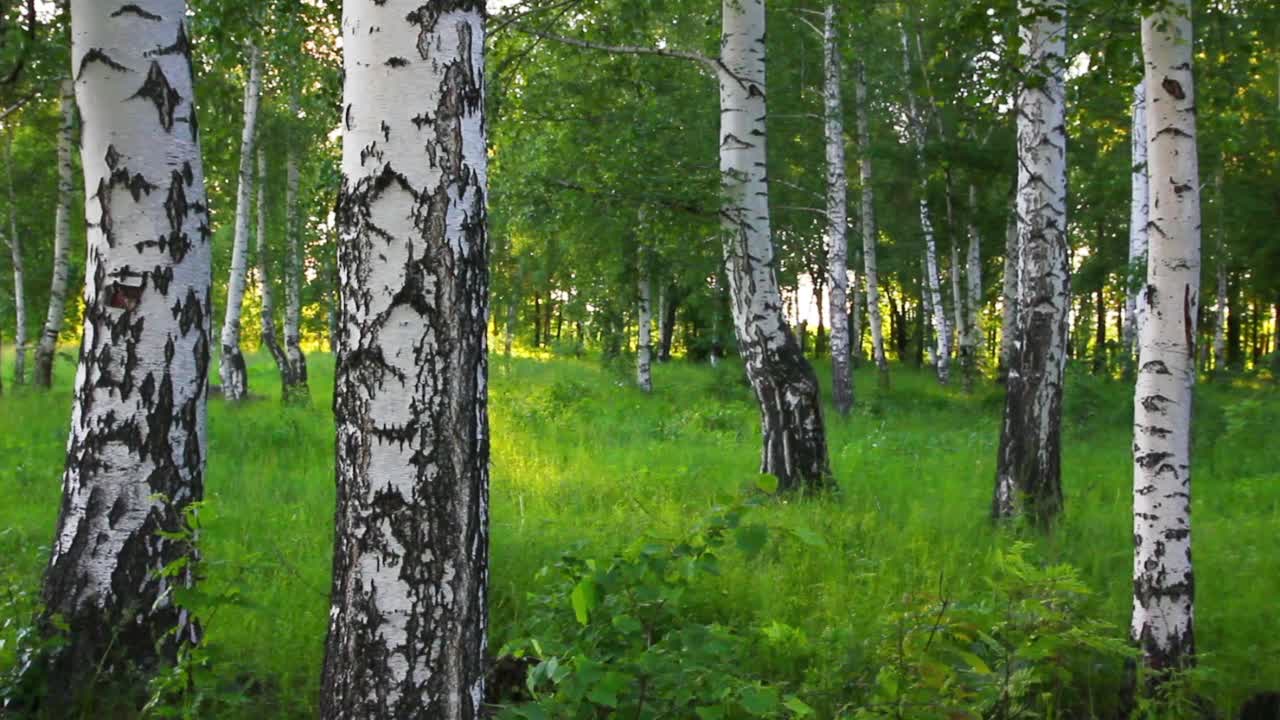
(644, 321)
(1028, 476)
(19, 278)
(1139, 216)
(942, 332)
(408, 620)
(973, 277)
(667, 329)
(510, 329)
(795, 445)
(1163, 583)
(1220, 319)
(1009, 296)
(235, 379)
(855, 321)
(136, 452)
(267, 326)
(296, 390)
(870, 269)
(48, 347)
(837, 221)
(957, 308)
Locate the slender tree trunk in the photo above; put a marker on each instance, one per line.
(959, 332)
(508, 337)
(855, 321)
(136, 453)
(408, 620)
(296, 390)
(644, 322)
(19, 277)
(537, 320)
(795, 443)
(235, 378)
(1139, 216)
(1163, 583)
(973, 277)
(1100, 338)
(870, 267)
(48, 347)
(667, 330)
(267, 333)
(837, 220)
(1028, 479)
(1009, 299)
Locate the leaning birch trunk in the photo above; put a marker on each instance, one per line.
(1139, 216)
(1009, 295)
(644, 321)
(795, 443)
(957, 307)
(837, 221)
(942, 332)
(870, 268)
(61, 242)
(973, 277)
(235, 378)
(136, 453)
(19, 278)
(1028, 475)
(408, 617)
(267, 326)
(855, 320)
(1163, 584)
(296, 389)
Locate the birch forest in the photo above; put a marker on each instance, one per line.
(643, 359)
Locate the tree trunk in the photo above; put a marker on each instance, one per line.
(235, 378)
(668, 324)
(296, 390)
(1163, 584)
(537, 320)
(959, 332)
(511, 328)
(408, 620)
(795, 443)
(19, 275)
(1009, 293)
(1028, 480)
(48, 347)
(1139, 216)
(837, 221)
(644, 322)
(973, 277)
(855, 322)
(1100, 337)
(870, 268)
(1235, 352)
(137, 449)
(267, 333)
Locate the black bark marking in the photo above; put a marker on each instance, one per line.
(157, 89)
(98, 55)
(397, 62)
(124, 297)
(132, 9)
(1174, 88)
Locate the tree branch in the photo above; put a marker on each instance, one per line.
(710, 63)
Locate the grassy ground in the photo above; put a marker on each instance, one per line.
(579, 455)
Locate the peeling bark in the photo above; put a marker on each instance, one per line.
(1028, 476)
(795, 444)
(61, 242)
(235, 378)
(1163, 582)
(136, 452)
(296, 389)
(408, 617)
(869, 230)
(837, 220)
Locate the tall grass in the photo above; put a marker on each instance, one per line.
(581, 455)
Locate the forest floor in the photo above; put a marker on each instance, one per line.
(582, 461)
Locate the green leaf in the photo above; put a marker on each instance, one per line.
(809, 537)
(752, 538)
(767, 484)
(584, 599)
(798, 706)
(760, 702)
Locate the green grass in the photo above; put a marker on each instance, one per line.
(580, 455)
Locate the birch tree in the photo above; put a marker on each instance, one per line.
(867, 192)
(837, 219)
(136, 453)
(48, 346)
(408, 617)
(1163, 583)
(1028, 474)
(1009, 295)
(644, 321)
(296, 389)
(1139, 214)
(972, 338)
(235, 378)
(19, 276)
(267, 322)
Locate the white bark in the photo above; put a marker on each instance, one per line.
(1029, 468)
(136, 452)
(61, 241)
(1139, 216)
(973, 276)
(266, 291)
(1163, 583)
(1009, 293)
(235, 380)
(870, 268)
(1220, 314)
(837, 220)
(644, 321)
(794, 436)
(297, 389)
(19, 277)
(409, 603)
